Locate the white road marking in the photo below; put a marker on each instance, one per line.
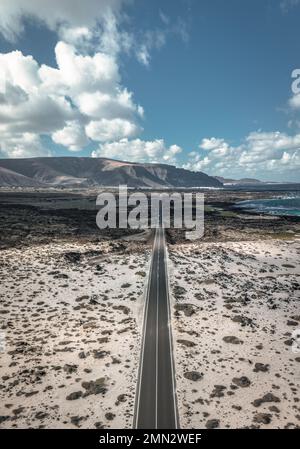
(140, 374)
(156, 247)
(156, 345)
(171, 339)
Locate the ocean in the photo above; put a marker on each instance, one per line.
(284, 205)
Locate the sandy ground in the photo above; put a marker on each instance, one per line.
(70, 331)
(236, 306)
(70, 336)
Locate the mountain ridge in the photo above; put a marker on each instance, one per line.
(242, 181)
(68, 171)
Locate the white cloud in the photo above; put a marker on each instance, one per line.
(210, 144)
(154, 39)
(24, 105)
(22, 145)
(164, 18)
(78, 36)
(55, 14)
(110, 105)
(143, 55)
(286, 5)
(71, 136)
(294, 102)
(82, 93)
(151, 40)
(260, 153)
(81, 99)
(89, 24)
(107, 130)
(83, 73)
(138, 150)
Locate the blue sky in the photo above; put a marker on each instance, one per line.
(210, 83)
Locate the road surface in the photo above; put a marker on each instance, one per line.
(155, 403)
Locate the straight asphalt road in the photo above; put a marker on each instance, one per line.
(155, 403)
